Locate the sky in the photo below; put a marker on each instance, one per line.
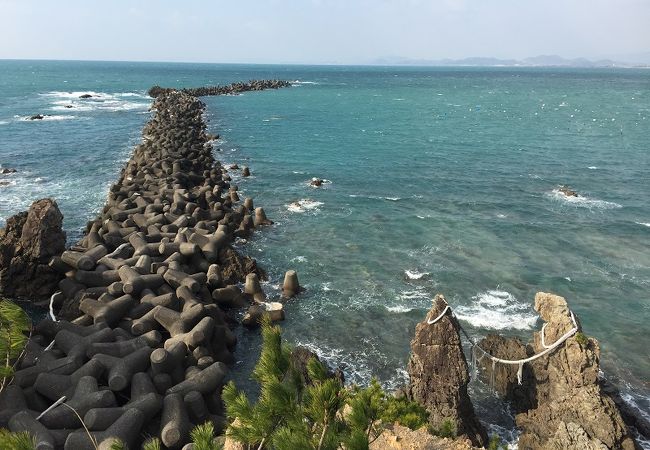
(322, 31)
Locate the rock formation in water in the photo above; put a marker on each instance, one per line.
(27, 243)
(438, 374)
(560, 403)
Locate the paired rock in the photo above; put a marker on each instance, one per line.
(560, 403)
(438, 374)
(27, 244)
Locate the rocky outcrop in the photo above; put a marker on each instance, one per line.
(438, 374)
(560, 403)
(397, 437)
(27, 244)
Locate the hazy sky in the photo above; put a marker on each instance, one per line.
(320, 31)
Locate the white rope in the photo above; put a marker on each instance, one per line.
(54, 405)
(518, 362)
(444, 311)
(556, 344)
(52, 306)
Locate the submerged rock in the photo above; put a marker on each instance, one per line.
(438, 374)
(568, 192)
(7, 170)
(27, 244)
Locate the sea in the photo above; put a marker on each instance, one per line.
(436, 180)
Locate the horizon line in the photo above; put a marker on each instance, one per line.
(340, 64)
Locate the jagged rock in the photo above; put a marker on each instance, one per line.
(230, 443)
(568, 191)
(438, 374)
(562, 404)
(235, 267)
(504, 379)
(7, 170)
(300, 356)
(37, 117)
(27, 244)
(397, 437)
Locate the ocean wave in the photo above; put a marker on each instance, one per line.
(592, 168)
(46, 118)
(582, 201)
(398, 309)
(303, 205)
(415, 294)
(299, 258)
(3, 122)
(376, 197)
(415, 275)
(497, 310)
(645, 224)
(76, 95)
(299, 83)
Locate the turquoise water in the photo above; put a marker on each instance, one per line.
(439, 180)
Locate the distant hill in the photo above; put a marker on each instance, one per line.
(535, 61)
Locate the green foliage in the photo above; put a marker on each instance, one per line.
(581, 338)
(118, 445)
(406, 413)
(16, 441)
(14, 323)
(320, 414)
(495, 443)
(203, 437)
(152, 444)
(446, 429)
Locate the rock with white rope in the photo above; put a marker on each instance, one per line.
(438, 373)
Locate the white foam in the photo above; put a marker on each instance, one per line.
(582, 201)
(3, 122)
(416, 294)
(48, 118)
(375, 197)
(76, 94)
(645, 224)
(497, 310)
(303, 205)
(592, 168)
(398, 309)
(298, 82)
(415, 275)
(299, 258)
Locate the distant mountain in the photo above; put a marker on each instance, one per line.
(536, 61)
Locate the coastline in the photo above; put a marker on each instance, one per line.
(144, 297)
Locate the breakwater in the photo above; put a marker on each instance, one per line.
(230, 89)
(146, 340)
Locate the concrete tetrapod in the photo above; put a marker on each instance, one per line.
(126, 429)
